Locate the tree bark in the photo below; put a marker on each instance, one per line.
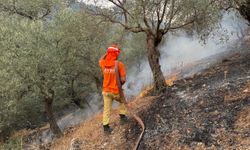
(153, 59)
(52, 121)
(245, 10)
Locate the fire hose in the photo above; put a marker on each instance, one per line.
(137, 118)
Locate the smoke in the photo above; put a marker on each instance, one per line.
(79, 115)
(178, 51)
(98, 3)
(181, 49)
(72, 119)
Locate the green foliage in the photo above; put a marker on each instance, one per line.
(38, 57)
(12, 144)
(134, 53)
(58, 54)
(35, 9)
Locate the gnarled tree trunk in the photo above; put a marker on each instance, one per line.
(52, 121)
(153, 59)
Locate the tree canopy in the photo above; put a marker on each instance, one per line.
(155, 18)
(48, 59)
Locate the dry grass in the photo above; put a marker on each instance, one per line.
(91, 135)
(169, 81)
(243, 120)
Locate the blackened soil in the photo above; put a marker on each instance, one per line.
(202, 110)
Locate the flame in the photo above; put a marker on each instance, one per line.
(169, 82)
(145, 91)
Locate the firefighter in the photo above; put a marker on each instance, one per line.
(110, 90)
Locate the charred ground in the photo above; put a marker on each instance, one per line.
(210, 110)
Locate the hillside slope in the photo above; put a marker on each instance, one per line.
(89, 134)
(210, 110)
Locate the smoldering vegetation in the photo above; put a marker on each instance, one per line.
(209, 110)
(181, 49)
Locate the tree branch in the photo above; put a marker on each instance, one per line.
(13, 9)
(120, 4)
(136, 29)
(144, 16)
(183, 25)
(160, 19)
(164, 10)
(172, 14)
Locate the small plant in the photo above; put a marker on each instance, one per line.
(13, 144)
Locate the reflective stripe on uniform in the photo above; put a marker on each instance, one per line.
(113, 48)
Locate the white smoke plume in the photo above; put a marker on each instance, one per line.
(79, 115)
(71, 119)
(180, 49)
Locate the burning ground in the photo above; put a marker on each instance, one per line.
(209, 110)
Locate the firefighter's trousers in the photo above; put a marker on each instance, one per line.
(107, 105)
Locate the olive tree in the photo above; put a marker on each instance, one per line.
(44, 59)
(32, 10)
(155, 18)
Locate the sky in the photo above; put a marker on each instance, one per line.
(101, 3)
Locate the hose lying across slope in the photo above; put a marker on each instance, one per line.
(137, 118)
